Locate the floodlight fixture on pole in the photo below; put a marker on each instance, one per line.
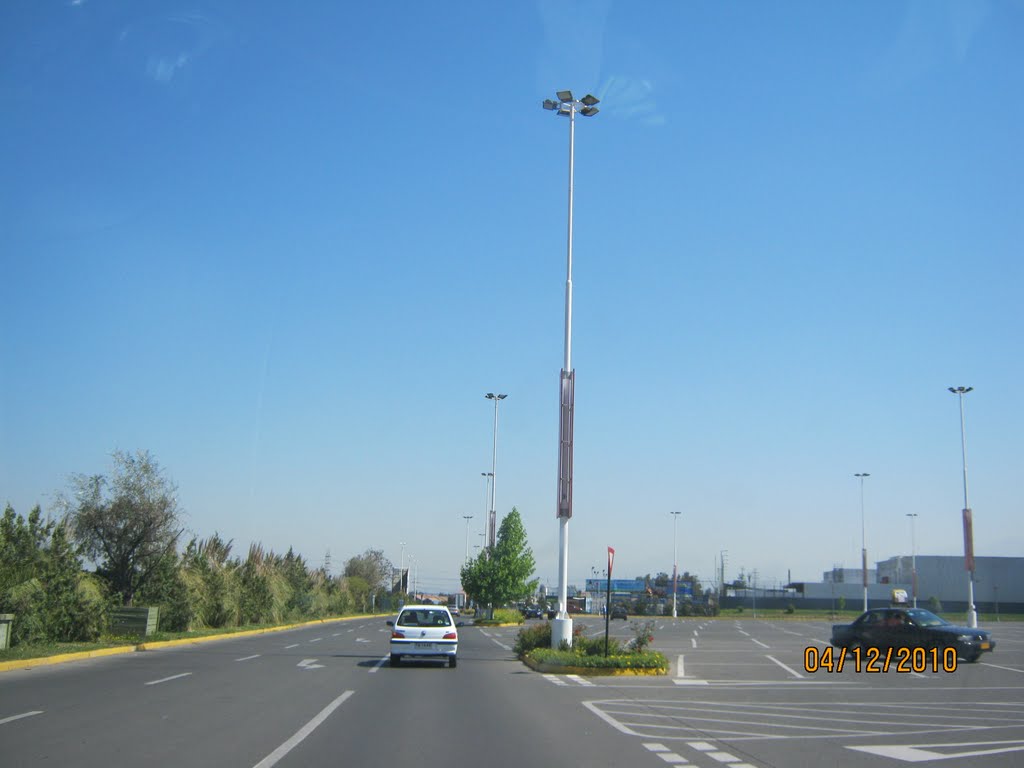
(467, 518)
(561, 627)
(675, 561)
(968, 517)
(863, 544)
(492, 514)
(913, 556)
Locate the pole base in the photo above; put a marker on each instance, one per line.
(561, 629)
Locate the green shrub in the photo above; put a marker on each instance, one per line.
(652, 660)
(507, 616)
(529, 638)
(790, 608)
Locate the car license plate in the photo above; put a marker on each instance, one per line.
(985, 646)
(424, 645)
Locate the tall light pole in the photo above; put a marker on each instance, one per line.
(561, 627)
(972, 614)
(721, 584)
(487, 498)
(401, 572)
(467, 518)
(492, 514)
(863, 544)
(675, 561)
(913, 555)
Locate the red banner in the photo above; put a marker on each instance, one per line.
(611, 559)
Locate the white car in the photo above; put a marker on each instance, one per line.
(426, 632)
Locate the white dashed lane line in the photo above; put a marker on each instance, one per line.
(167, 679)
(247, 658)
(12, 718)
(760, 643)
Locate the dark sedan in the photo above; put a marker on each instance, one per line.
(910, 628)
(619, 612)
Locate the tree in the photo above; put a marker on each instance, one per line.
(372, 567)
(503, 575)
(128, 523)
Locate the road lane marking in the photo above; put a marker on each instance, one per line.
(679, 666)
(673, 759)
(12, 718)
(656, 747)
(309, 664)
(701, 746)
(744, 633)
(302, 733)
(166, 679)
(554, 679)
(760, 643)
(916, 753)
(498, 642)
(592, 706)
(384, 660)
(723, 757)
(791, 671)
(293, 645)
(996, 666)
(689, 681)
(693, 641)
(336, 634)
(247, 658)
(580, 681)
(316, 640)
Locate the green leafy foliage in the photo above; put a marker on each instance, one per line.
(645, 660)
(503, 575)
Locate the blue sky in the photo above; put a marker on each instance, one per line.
(289, 251)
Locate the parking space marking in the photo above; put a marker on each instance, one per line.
(791, 671)
(1008, 669)
(916, 753)
(763, 645)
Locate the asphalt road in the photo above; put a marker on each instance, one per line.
(737, 695)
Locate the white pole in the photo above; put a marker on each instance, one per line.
(972, 613)
(863, 544)
(913, 556)
(675, 562)
(467, 518)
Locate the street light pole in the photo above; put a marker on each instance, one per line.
(913, 554)
(675, 561)
(561, 627)
(863, 544)
(401, 573)
(467, 518)
(492, 514)
(972, 613)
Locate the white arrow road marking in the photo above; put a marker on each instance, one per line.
(302, 733)
(12, 718)
(247, 658)
(166, 679)
(916, 753)
(309, 664)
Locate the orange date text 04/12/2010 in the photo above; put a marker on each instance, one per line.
(872, 659)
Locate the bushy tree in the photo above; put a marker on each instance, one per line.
(371, 566)
(127, 523)
(503, 575)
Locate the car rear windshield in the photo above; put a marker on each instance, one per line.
(424, 619)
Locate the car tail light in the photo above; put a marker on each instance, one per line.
(450, 636)
(397, 633)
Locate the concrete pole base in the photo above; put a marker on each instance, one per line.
(561, 629)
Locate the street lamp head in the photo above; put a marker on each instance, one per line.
(590, 100)
(550, 104)
(589, 111)
(675, 513)
(564, 95)
(960, 390)
(861, 474)
(492, 396)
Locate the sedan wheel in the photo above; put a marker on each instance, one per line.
(395, 658)
(452, 661)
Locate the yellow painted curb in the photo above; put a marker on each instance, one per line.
(65, 657)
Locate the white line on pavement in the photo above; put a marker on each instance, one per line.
(791, 671)
(302, 733)
(336, 634)
(12, 718)
(679, 666)
(580, 681)
(693, 641)
(293, 645)
(166, 679)
(498, 642)
(247, 658)
(555, 680)
(380, 663)
(316, 640)
(744, 633)
(760, 643)
(996, 666)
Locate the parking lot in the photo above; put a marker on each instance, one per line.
(738, 694)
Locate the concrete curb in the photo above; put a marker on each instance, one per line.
(62, 658)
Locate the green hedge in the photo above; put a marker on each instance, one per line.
(650, 660)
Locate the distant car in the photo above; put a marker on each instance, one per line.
(424, 632)
(885, 628)
(619, 612)
(454, 610)
(533, 612)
